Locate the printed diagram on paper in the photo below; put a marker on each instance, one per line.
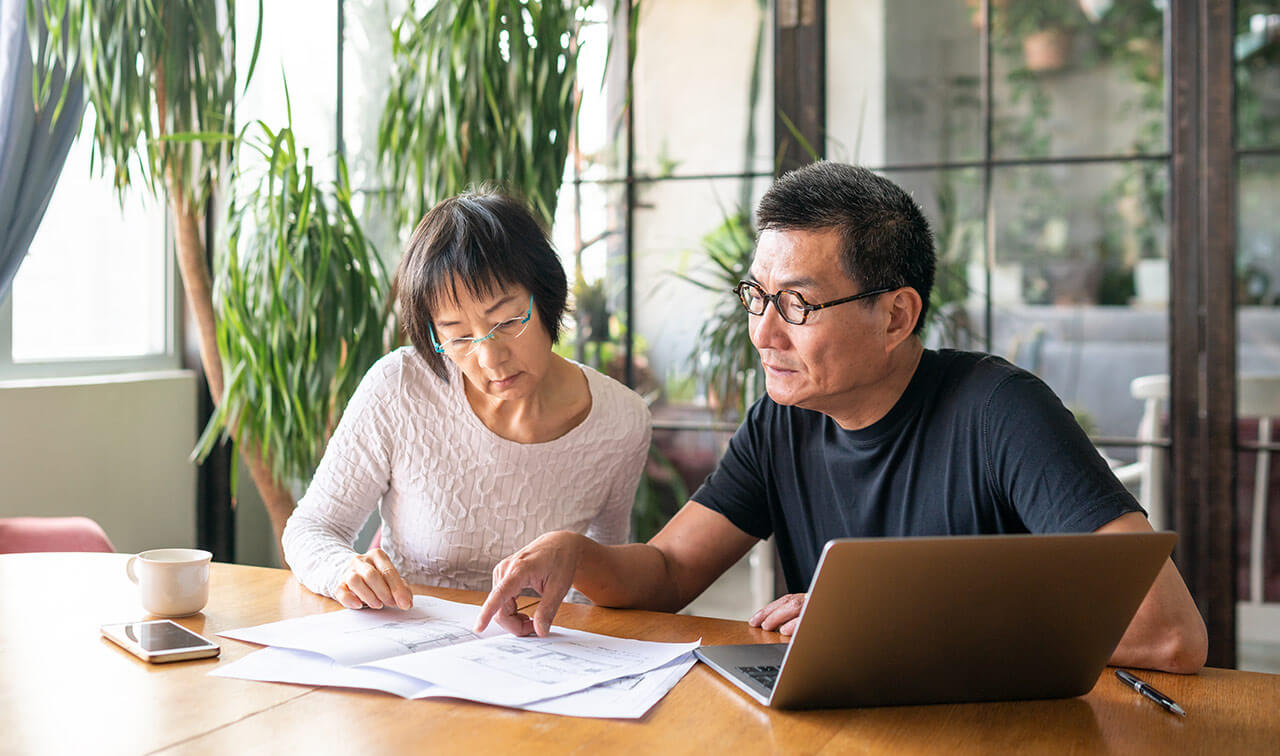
(430, 650)
(546, 662)
(418, 634)
(630, 682)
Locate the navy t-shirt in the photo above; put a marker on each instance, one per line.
(974, 446)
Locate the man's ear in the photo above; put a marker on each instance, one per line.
(904, 310)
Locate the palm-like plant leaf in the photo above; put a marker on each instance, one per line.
(300, 294)
(723, 355)
(151, 70)
(482, 91)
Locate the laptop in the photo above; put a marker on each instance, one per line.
(948, 619)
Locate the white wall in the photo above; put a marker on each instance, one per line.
(856, 82)
(111, 448)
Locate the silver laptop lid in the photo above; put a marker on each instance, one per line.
(965, 618)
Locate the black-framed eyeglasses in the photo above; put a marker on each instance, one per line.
(789, 303)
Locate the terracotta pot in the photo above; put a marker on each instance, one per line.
(975, 10)
(1046, 50)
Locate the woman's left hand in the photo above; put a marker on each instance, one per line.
(371, 580)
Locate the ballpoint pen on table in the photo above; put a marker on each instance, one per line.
(1150, 692)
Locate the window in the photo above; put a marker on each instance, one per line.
(94, 293)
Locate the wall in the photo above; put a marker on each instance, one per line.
(111, 448)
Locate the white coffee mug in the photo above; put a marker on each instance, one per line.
(173, 582)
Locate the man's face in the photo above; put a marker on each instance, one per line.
(822, 364)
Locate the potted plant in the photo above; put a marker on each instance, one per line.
(301, 299)
(160, 77)
(1041, 30)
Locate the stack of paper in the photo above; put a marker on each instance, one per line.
(430, 651)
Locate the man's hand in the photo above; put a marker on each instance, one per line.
(371, 580)
(547, 565)
(782, 614)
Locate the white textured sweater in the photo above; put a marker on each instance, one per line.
(456, 498)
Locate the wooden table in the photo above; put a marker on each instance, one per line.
(64, 689)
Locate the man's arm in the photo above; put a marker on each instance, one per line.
(1167, 633)
(665, 574)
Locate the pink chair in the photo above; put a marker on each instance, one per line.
(24, 534)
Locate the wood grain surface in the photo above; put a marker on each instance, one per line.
(64, 689)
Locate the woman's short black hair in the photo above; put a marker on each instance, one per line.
(487, 241)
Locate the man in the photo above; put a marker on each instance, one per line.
(864, 432)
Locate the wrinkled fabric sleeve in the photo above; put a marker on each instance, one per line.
(349, 482)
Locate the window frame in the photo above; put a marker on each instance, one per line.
(43, 371)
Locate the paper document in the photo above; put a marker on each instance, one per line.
(510, 671)
(356, 636)
(430, 651)
(289, 665)
(623, 698)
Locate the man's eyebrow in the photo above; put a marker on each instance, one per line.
(798, 282)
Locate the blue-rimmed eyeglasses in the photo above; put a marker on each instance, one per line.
(465, 345)
(790, 305)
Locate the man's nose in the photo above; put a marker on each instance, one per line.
(768, 330)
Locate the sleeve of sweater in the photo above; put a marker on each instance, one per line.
(352, 477)
(613, 524)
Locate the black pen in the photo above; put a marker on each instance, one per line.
(1150, 692)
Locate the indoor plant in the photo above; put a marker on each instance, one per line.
(723, 355)
(482, 90)
(160, 77)
(1042, 31)
(301, 299)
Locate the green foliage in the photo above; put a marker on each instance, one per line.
(723, 355)
(482, 90)
(661, 493)
(1257, 71)
(300, 295)
(159, 78)
(957, 235)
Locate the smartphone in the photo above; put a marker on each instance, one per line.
(160, 641)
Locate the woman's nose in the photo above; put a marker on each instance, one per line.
(490, 352)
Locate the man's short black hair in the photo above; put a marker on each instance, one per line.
(887, 243)
(485, 240)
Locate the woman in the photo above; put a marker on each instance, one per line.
(478, 438)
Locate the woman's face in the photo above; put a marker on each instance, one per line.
(506, 365)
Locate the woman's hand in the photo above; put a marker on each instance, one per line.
(782, 614)
(371, 580)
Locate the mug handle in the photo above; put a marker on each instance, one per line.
(128, 569)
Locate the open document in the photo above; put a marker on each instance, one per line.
(430, 651)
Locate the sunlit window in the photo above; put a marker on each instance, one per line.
(93, 285)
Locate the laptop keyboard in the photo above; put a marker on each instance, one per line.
(766, 674)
